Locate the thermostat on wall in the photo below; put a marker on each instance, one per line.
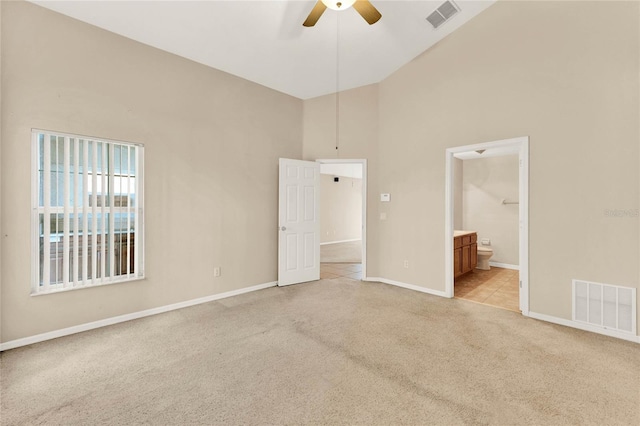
(385, 197)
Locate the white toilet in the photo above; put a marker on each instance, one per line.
(484, 254)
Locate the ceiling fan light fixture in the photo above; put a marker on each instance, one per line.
(338, 5)
(364, 7)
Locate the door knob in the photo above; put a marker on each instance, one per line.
(284, 228)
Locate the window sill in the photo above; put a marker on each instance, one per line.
(83, 287)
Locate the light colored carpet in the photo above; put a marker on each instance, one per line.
(350, 252)
(328, 352)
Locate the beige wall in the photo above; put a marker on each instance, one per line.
(538, 69)
(212, 143)
(340, 209)
(358, 139)
(485, 183)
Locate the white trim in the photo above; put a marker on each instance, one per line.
(128, 317)
(35, 214)
(140, 249)
(83, 286)
(341, 241)
(522, 144)
(364, 202)
(584, 326)
(523, 235)
(112, 219)
(505, 265)
(407, 286)
(128, 210)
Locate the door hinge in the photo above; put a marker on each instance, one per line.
(520, 283)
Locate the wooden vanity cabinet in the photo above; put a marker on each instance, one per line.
(457, 262)
(465, 253)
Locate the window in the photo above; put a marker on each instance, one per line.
(87, 212)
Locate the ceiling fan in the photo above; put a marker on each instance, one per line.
(363, 7)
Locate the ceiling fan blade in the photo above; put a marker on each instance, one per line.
(367, 11)
(315, 14)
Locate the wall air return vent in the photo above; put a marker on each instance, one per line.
(442, 14)
(605, 306)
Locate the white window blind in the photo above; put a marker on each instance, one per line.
(87, 212)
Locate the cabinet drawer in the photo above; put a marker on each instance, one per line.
(457, 242)
(466, 240)
(474, 238)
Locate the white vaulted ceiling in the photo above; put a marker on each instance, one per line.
(264, 41)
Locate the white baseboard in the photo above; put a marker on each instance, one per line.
(407, 286)
(585, 327)
(127, 317)
(341, 241)
(504, 265)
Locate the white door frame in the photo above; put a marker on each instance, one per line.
(522, 146)
(363, 162)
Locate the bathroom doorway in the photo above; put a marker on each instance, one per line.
(342, 219)
(496, 193)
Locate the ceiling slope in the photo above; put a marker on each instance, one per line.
(265, 42)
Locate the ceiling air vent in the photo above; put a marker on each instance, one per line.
(442, 14)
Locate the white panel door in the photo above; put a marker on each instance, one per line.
(299, 222)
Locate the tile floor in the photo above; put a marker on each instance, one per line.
(348, 252)
(497, 287)
(329, 271)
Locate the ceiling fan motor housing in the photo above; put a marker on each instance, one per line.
(363, 7)
(338, 5)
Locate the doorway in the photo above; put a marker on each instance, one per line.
(511, 278)
(343, 218)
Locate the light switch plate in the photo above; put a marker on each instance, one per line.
(385, 197)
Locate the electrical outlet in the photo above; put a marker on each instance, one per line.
(217, 271)
(406, 264)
